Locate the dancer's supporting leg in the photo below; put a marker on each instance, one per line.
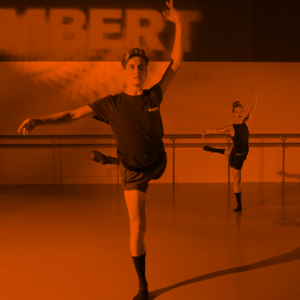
(237, 188)
(236, 175)
(136, 202)
(103, 159)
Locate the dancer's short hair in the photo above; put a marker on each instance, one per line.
(235, 105)
(132, 53)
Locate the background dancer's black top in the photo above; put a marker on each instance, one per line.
(136, 124)
(240, 138)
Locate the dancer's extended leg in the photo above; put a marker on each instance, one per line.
(216, 150)
(237, 188)
(103, 159)
(136, 203)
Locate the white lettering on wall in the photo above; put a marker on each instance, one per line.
(65, 33)
(98, 28)
(134, 30)
(14, 32)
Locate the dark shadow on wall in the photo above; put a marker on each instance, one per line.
(276, 260)
(288, 175)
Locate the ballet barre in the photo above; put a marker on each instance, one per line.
(34, 141)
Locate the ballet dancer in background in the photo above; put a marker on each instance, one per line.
(240, 137)
(135, 119)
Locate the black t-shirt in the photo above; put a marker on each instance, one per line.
(136, 124)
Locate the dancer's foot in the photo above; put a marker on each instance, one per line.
(142, 294)
(238, 208)
(98, 157)
(208, 148)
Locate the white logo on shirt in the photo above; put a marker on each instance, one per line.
(152, 109)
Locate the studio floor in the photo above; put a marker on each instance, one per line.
(72, 243)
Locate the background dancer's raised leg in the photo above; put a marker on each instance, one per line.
(217, 150)
(214, 150)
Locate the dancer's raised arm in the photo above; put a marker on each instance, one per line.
(254, 105)
(177, 53)
(56, 119)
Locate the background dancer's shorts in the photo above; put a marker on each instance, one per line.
(137, 179)
(236, 161)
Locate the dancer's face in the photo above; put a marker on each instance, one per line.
(238, 114)
(136, 71)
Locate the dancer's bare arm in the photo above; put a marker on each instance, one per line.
(227, 129)
(177, 53)
(56, 119)
(254, 105)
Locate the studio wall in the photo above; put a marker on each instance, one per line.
(60, 55)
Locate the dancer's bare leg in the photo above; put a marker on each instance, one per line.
(136, 205)
(237, 180)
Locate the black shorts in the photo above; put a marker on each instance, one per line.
(236, 161)
(137, 179)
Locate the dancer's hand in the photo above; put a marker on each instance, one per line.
(173, 15)
(27, 126)
(203, 133)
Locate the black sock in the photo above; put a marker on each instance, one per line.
(238, 197)
(140, 266)
(210, 149)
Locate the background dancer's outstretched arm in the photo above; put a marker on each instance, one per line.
(226, 129)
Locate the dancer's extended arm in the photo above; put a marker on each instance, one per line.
(226, 129)
(177, 53)
(56, 119)
(254, 105)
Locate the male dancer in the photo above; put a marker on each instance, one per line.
(134, 117)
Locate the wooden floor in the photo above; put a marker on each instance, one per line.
(72, 243)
